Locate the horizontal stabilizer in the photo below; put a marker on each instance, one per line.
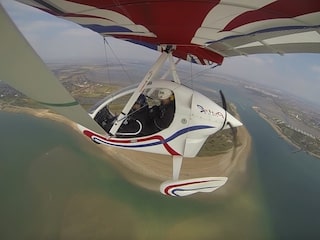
(187, 187)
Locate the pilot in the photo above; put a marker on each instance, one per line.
(163, 114)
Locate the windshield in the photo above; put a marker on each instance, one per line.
(111, 97)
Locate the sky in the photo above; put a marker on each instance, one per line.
(55, 40)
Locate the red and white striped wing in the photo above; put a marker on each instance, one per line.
(203, 31)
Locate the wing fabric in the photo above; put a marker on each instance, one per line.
(23, 69)
(282, 26)
(203, 31)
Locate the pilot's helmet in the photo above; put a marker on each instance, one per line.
(164, 93)
(141, 100)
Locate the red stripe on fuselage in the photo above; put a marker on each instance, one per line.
(169, 149)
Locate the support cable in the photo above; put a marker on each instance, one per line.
(108, 78)
(118, 60)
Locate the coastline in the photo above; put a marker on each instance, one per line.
(278, 131)
(148, 170)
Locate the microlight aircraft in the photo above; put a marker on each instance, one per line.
(202, 32)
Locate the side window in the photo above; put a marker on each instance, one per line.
(107, 115)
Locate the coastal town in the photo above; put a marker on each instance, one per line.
(293, 120)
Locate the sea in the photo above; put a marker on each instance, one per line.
(55, 184)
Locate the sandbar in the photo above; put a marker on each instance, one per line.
(148, 170)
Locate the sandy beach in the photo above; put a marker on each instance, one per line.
(149, 170)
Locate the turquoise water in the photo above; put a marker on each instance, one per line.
(290, 182)
(54, 184)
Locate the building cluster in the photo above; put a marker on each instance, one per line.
(7, 91)
(261, 91)
(278, 121)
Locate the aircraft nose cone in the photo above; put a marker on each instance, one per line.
(233, 121)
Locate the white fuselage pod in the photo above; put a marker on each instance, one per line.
(196, 117)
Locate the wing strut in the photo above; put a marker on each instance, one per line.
(173, 70)
(143, 84)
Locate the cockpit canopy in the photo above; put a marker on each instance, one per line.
(152, 112)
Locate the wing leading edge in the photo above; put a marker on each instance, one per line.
(203, 31)
(23, 69)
